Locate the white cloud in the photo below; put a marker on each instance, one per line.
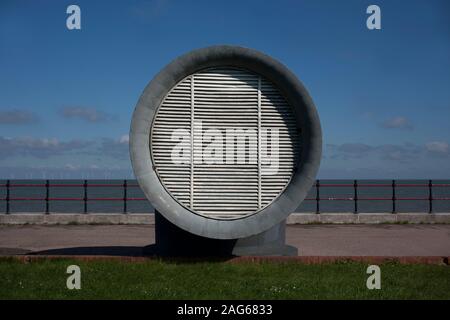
(13, 117)
(440, 147)
(124, 139)
(397, 123)
(38, 147)
(70, 166)
(86, 114)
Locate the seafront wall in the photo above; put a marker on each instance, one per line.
(295, 218)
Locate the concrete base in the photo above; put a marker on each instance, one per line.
(171, 241)
(269, 243)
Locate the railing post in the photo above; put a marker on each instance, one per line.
(394, 209)
(355, 195)
(47, 196)
(430, 196)
(317, 196)
(125, 196)
(7, 196)
(85, 195)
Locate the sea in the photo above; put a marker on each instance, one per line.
(333, 195)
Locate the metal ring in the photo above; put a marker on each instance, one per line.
(306, 117)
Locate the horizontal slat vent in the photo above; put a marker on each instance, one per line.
(219, 109)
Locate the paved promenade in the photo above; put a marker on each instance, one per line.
(312, 240)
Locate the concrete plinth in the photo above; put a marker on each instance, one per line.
(172, 241)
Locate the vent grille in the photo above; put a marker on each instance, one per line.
(219, 110)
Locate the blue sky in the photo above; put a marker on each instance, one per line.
(66, 97)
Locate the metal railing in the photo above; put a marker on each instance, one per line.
(125, 185)
(393, 198)
(85, 199)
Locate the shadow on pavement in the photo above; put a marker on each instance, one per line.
(124, 251)
(13, 251)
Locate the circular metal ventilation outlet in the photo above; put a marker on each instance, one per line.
(224, 142)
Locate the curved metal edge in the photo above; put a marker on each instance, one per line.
(296, 95)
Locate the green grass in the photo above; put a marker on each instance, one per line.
(46, 279)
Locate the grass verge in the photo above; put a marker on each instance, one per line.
(46, 279)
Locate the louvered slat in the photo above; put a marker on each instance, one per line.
(222, 99)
